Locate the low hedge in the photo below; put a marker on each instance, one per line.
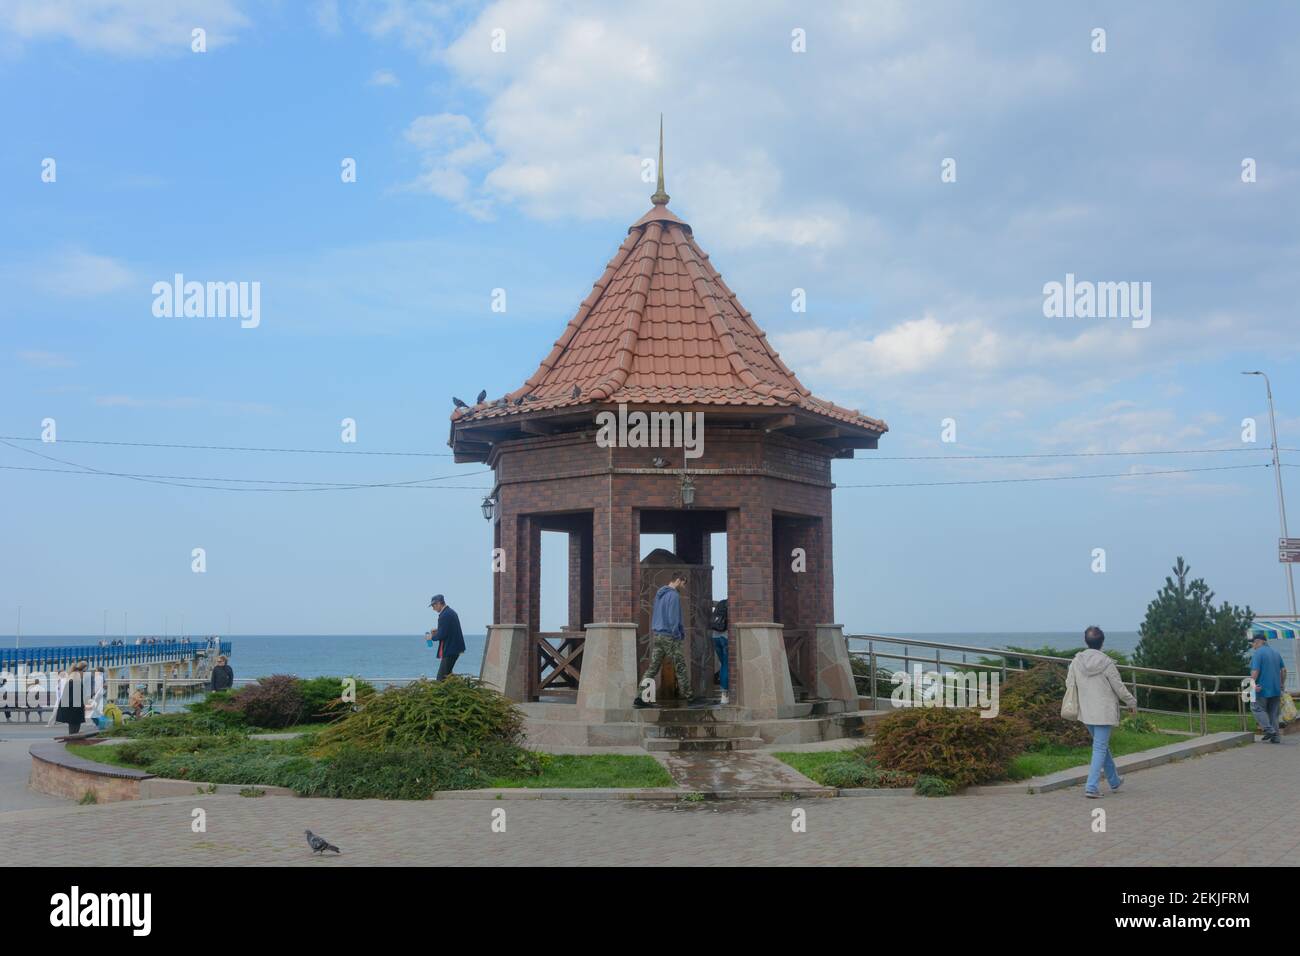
(349, 772)
(457, 713)
(1035, 697)
(956, 745)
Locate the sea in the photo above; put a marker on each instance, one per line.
(381, 657)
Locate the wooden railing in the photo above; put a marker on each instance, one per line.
(556, 662)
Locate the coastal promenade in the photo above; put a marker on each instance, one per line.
(1227, 808)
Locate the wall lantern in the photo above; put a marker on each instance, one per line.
(688, 492)
(489, 507)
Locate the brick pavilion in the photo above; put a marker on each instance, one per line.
(661, 332)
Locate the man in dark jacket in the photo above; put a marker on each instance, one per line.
(451, 642)
(668, 638)
(223, 677)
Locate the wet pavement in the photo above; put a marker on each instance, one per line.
(751, 771)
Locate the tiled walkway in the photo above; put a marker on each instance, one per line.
(1226, 808)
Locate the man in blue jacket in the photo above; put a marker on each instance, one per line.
(669, 637)
(451, 642)
(1269, 674)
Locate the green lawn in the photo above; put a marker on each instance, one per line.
(101, 753)
(1216, 723)
(1036, 763)
(810, 763)
(593, 770)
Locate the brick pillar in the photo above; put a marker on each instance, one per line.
(507, 610)
(533, 593)
(575, 581)
(749, 564)
(497, 575)
(614, 547)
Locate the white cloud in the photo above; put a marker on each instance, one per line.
(122, 27)
(450, 147)
(38, 359)
(79, 274)
(384, 78)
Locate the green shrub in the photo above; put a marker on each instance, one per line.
(178, 725)
(927, 786)
(406, 773)
(1035, 697)
(846, 773)
(457, 713)
(323, 696)
(957, 745)
(144, 752)
(1139, 724)
(243, 766)
(275, 701)
(862, 676)
(858, 773)
(220, 706)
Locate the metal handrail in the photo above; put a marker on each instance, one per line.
(121, 655)
(872, 654)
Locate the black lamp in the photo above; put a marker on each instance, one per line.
(489, 507)
(688, 492)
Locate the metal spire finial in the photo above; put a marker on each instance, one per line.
(660, 198)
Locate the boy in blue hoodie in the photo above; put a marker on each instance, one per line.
(668, 637)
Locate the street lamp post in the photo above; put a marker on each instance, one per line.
(1277, 476)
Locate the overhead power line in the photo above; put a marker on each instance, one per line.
(321, 485)
(1007, 481)
(184, 481)
(1068, 454)
(434, 454)
(294, 451)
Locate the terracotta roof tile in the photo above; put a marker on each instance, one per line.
(660, 326)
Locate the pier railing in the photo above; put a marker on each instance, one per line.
(1198, 689)
(121, 655)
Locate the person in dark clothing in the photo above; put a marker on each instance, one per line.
(718, 625)
(72, 701)
(451, 642)
(223, 677)
(668, 638)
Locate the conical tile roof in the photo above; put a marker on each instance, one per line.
(661, 327)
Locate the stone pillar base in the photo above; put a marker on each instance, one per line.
(764, 688)
(609, 673)
(505, 660)
(833, 675)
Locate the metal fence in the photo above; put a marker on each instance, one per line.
(1198, 689)
(121, 655)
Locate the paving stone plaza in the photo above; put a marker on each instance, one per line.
(1224, 809)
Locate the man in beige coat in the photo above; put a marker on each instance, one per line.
(1095, 680)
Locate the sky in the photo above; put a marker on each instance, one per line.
(920, 171)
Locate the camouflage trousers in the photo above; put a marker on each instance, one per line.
(669, 647)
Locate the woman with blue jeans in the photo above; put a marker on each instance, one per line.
(1094, 681)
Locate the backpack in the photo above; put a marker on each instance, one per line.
(718, 619)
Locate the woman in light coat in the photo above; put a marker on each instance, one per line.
(1094, 682)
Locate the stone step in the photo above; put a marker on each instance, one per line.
(655, 744)
(705, 731)
(824, 708)
(687, 715)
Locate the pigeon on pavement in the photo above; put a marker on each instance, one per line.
(319, 844)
